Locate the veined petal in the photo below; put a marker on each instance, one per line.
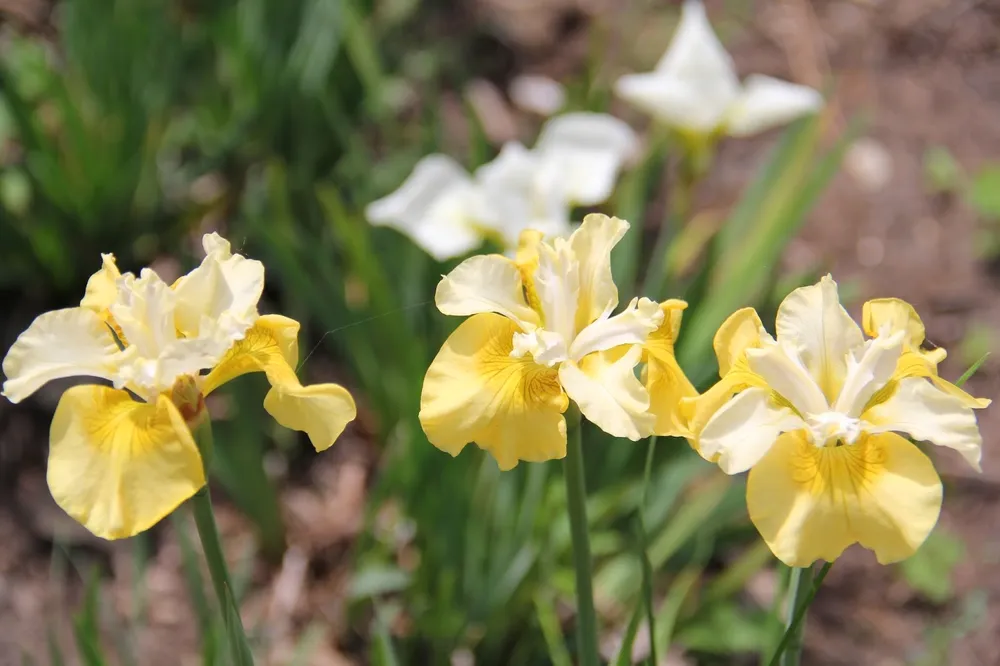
(475, 391)
(608, 393)
(486, 283)
(102, 287)
(742, 431)
(926, 413)
(786, 375)
(63, 343)
(119, 466)
(742, 330)
(322, 411)
(865, 376)
(767, 102)
(592, 243)
(586, 150)
(811, 503)
(666, 382)
(218, 299)
(812, 321)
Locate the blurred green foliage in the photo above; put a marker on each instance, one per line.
(278, 119)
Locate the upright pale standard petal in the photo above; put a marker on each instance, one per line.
(475, 391)
(767, 102)
(74, 342)
(812, 321)
(322, 411)
(102, 287)
(119, 466)
(592, 244)
(811, 503)
(605, 388)
(694, 83)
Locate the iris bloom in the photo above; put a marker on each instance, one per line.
(819, 416)
(540, 333)
(449, 213)
(695, 90)
(122, 456)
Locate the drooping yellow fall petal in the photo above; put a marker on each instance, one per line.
(474, 391)
(119, 466)
(811, 503)
(605, 388)
(812, 322)
(322, 411)
(74, 342)
(665, 380)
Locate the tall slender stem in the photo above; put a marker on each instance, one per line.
(576, 496)
(800, 597)
(211, 544)
(647, 569)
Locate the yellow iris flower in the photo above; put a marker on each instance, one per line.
(541, 332)
(122, 457)
(816, 416)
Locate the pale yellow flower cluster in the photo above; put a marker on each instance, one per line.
(817, 414)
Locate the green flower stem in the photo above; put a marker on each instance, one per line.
(576, 496)
(800, 597)
(208, 532)
(647, 568)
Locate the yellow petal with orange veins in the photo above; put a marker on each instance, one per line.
(741, 331)
(811, 503)
(322, 411)
(474, 391)
(665, 380)
(102, 287)
(119, 466)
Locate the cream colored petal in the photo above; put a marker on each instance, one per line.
(486, 283)
(742, 431)
(695, 81)
(119, 466)
(586, 151)
(102, 287)
(926, 413)
(218, 299)
(411, 204)
(742, 330)
(74, 342)
(697, 411)
(322, 411)
(786, 375)
(608, 393)
(812, 321)
(868, 374)
(811, 503)
(592, 243)
(767, 102)
(556, 283)
(631, 326)
(474, 391)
